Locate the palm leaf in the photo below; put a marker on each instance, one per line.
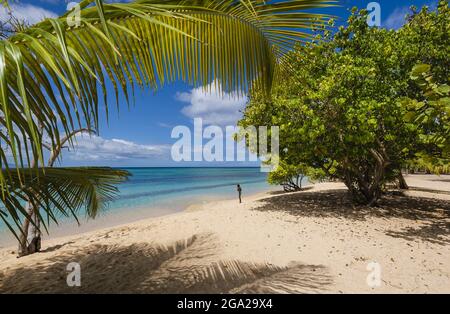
(52, 72)
(53, 76)
(58, 191)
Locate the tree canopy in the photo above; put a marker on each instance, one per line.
(346, 107)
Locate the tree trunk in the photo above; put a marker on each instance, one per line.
(34, 235)
(23, 239)
(402, 182)
(365, 188)
(291, 186)
(30, 238)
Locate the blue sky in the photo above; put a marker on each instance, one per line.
(141, 136)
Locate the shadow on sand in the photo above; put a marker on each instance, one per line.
(57, 247)
(433, 213)
(184, 267)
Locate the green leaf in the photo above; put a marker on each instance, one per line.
(419, 69)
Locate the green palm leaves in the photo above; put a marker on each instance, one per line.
(58, 191)
(54, 75)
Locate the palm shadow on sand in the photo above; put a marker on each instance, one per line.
(433, 213)
(185, 267)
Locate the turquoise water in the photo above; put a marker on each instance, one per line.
(181, 187)
(151, 192)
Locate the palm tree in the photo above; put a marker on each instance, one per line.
(59, 191)
(53, 75)
(30, 237)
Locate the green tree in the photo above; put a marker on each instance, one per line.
(292, 177)
(53, 75)
(341, 110)
(431, 117)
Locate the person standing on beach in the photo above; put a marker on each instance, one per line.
(239, 192)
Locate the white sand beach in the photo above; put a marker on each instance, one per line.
(312, 241)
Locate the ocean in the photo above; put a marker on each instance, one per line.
(152, 192)
(178, 188)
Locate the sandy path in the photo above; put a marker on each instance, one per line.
(307, 242)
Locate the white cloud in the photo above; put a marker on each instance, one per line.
(165, 125)
(71, 5)
(397, 18)
(96, 148)
(52, 1)
(213, 106)
(27, 12)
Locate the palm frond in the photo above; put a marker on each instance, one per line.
(53, 75)
(57, 191)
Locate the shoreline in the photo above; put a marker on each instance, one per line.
(302, 242)
(106, 222)
(112, 222)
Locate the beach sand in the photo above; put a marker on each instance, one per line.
(314, 241)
